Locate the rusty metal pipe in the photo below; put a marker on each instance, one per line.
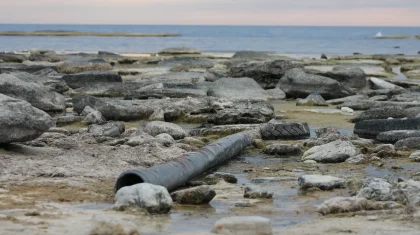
(176, 173)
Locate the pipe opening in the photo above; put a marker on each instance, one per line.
(128, 180)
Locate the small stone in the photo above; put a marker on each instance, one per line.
(110, 129)
(244, 204)
(158, 115)
(157, 127)
(385, 147)
(193, 142)
(283, 150)
(323, 56)
(347, 110)
(415, 156)
(94, 117)
(256, 192)
(155, 199)
(243, 225)
(353, 204)
(354, 185)
(312, 100)
(310, 162)
(258, 143)
(375, 159)
(359, 159)
(323, 182)
(216, 177)
(194, 196)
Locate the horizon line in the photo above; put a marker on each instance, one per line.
(216, 25)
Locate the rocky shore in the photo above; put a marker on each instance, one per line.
(330, 147)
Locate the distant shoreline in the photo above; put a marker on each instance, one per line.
(59, 33)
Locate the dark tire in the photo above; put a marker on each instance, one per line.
(371, 128)
(285, 131)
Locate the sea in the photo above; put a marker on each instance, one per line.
(290, 40)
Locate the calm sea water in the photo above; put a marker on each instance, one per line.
(280, 39)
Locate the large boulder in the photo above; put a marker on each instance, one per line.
(89, 78)
(299, 84)
(395, 136)
(334, 152)
(371, 128)
(380, 113)
(267, 73)
(242, 88)
(350, 76)
(37, 95)
(20, 121)
(155, 199)
(158, 127)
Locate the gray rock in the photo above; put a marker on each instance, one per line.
(334, 152)
(83, 65)
(67, 120)
(48, 78)
(37, 95)
(218, 176)
(267, 73)
(155, 199)
(90, 78)
(323, 182)
(244, 112)
(242, 88)
(312, 100)
(192, 141)
(380, 113)
(255, 192)
(141, 139)
(17, 67)
(384, 147)
(395, 136)
(157, 127)
(244, 225)
(296, 83)
(349, 76)
(110, 129)
(194, 196)
(251, 55)
(20, 121)
(283, 150)
(353, 204)
(325, 132)
(359, 159)
(412, 112)
(415, 156)
(371, 128)
(222, 130)
(179, 51)
(353, 98)
(11, 58)
(94, 117)
(212, 75)
(377, 83)
(408, 192)
(166, 139)
(412, 143)
(169, 90)
(184, 64)
(158, 115)
(376, 189)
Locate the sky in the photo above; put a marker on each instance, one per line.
(213, 12)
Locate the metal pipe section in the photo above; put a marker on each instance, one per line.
(176, 173)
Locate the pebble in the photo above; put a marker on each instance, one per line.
(244, 225)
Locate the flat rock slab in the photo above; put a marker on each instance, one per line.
(323, 182)
(394, 136)
(370, 70)
(179, 51)
(244, 225)
(334, 152)
(90, 78)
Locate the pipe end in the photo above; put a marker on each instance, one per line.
(127, 179)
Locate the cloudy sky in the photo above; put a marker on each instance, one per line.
(213, 12)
